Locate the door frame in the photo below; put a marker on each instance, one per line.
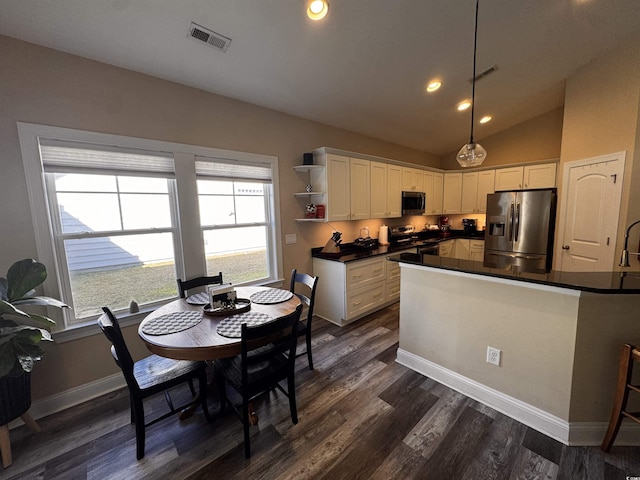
(621, 156)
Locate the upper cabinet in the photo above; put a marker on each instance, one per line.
(438, 192)
(360, 174)
(386, 190)
(338, 188)
(542, 175)
(452, 195)
(412, 179)
(469, 192)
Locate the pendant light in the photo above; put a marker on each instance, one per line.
(472, 154)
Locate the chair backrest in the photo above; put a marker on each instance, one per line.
(185, 285)
(281, 337)
(109, 325)
(311, 282)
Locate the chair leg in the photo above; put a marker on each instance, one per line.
(621, 397)
(5, 446)
(291, 385)
(202, 385)
(140, 434)
(245, 413)
(309, 357)
(193, 390)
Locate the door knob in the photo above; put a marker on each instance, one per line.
(565, 247)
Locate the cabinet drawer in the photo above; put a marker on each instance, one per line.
(365, 273)
(364, 299)
(393, 270)
(393, 290)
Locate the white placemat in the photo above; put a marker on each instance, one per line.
(273, 295)
(172, 323)
(231, 326)
(201, 298)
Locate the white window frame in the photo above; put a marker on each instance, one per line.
(192, 260)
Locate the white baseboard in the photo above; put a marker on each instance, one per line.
(74, 396)
(573, 434)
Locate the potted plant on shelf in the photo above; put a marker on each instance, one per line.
(20, 335)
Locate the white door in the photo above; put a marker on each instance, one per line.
(591, 196)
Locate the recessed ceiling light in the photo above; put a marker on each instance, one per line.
(433, 86)
(486, 119)
(462, 106)
(317, 9)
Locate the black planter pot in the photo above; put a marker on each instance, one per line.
(15, 396)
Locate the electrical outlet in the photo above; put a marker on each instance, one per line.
(290, 238)
(493, 356)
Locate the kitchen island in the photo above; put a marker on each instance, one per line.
(559, 334)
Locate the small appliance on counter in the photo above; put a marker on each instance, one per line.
(445, 227)
(468, 226)
(402, 234)
(364, 240)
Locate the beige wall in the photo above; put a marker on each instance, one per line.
(43, 86)
(533, 140)
(601, 116)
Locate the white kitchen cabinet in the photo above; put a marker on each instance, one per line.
(461, 249)
(476, 250)
(360, 185)
(438, 192)
(486, 186)
(338, 206)
(350, 290)
(469, 192)
(540, 176)
(386, 190)
(446, 248)
(412, 179)
(452, 195)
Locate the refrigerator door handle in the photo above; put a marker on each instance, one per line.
(510, 223)
(516, 221)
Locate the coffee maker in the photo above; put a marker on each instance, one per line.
(445, 226)
(468, 226)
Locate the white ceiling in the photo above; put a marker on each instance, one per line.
(363, 68)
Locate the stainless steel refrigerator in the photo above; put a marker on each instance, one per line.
(520, 229)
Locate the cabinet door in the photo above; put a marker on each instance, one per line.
(452, 197)
(427, 184)
(461, 249)
(394, 191)
(412, 180)
(360, 175)
(445, 249)
(379, 190)
(509, 178)
(486, 182)
(438, 192)
(338, 192)
(469, 192)
(476, 249)
(540, 176)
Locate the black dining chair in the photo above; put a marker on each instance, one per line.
(151, 375)
(267, 358)
(184, 285)
(308, 299)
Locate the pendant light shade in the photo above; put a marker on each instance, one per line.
(472, 154)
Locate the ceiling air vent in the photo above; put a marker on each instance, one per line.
(488, 71)
(211, 38)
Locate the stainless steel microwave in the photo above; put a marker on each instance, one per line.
(413, 203)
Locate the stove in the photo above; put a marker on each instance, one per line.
(402, 234)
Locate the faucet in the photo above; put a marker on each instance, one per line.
(624, 259)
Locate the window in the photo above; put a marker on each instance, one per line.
(111, 215)
(234, 203)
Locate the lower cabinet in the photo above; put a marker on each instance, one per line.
(349, 291)
(462, 248)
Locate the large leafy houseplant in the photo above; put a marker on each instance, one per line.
(21, 332)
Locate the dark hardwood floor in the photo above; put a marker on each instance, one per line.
(361, 415)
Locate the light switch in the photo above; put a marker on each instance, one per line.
(290, 238)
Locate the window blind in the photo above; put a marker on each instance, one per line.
(237, 170)
(75, 157)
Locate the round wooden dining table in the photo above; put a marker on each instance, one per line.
(202, 341)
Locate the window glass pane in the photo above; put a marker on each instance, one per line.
(143, 185)
(239, 253)
(250, 210)
(113, 271)
(75, 182)
(145, 211)
(215, 187)
(216, 210)
(89, 212)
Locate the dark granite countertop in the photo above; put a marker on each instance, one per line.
(596, 282)
(349, 252)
